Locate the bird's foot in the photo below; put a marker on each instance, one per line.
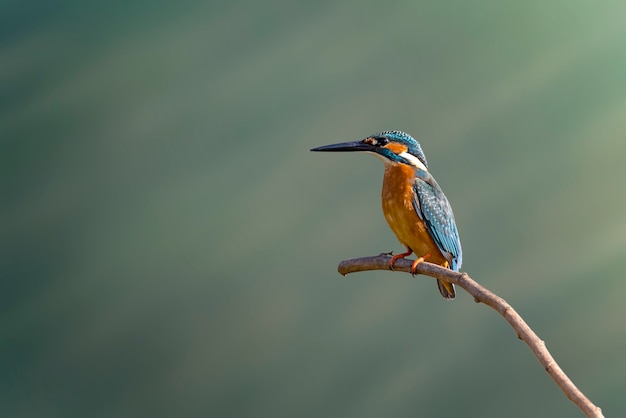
(397, 256)
(416, 262)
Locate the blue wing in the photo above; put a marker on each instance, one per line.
(434, 210)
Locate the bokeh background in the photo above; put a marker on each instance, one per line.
(169, 245)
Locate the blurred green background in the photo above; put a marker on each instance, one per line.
(169, 244)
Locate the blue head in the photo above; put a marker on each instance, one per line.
(391, 146)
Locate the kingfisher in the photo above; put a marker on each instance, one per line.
(414, 205)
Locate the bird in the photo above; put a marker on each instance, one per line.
(415, 207)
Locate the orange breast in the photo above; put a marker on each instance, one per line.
(398, 208)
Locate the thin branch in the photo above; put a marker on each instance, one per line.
(482, 294)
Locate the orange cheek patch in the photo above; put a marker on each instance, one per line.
(396, 148)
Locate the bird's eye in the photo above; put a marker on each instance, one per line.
(376, 141)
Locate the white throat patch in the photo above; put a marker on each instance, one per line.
(383, 159)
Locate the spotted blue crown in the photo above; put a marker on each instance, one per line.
(411, 143)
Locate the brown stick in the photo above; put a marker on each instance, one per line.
(481, 294)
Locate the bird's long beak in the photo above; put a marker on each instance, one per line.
(346, 147)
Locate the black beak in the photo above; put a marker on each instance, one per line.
(346, 147)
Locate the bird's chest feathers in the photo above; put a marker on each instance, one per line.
(398, 190)
(397, 197)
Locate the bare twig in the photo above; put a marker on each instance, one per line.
(481, 294)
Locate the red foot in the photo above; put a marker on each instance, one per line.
(416, 262)
(398, 256)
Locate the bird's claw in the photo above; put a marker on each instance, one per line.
(390, 253)
(416, 262)
(395, 257)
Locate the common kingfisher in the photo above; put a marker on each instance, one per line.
(414, 205)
